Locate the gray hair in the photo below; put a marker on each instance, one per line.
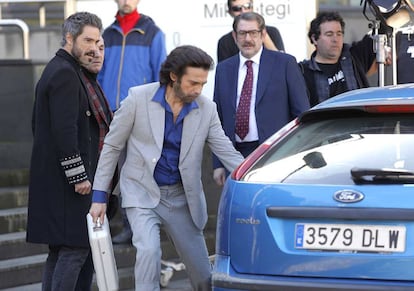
(75, 23)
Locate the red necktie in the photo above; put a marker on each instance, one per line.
(243, 110)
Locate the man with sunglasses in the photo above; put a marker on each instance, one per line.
(227, 47)
(257, 91)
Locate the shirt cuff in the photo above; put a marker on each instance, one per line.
(99, 196)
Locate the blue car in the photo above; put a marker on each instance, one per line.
(326, 203)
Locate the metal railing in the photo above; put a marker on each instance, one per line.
(25, 32)
(69, 5)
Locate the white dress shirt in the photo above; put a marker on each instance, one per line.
(252, 135)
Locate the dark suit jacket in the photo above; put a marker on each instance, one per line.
(280, 96)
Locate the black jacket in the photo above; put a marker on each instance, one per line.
(355, 60)
(66, 135)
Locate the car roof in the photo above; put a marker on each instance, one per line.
(402, 94)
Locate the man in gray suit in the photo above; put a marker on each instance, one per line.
(165, 126)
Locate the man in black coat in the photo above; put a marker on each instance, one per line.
(67, 137)
(335, 67)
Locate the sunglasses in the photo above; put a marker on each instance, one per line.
(239, 8)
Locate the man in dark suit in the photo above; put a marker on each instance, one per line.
(277, 94)
(69, 124)
(226, 46)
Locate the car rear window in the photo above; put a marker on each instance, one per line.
(325, 151)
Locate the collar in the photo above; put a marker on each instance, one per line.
(345, 53)
(159, 97)
(89, 75)
(255, 58)
(68, 57)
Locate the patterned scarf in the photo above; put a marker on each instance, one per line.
(98, 108)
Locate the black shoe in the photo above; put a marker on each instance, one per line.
(125, 237)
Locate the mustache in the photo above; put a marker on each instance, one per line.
(92, 56)
(90, 53)
(248, 43)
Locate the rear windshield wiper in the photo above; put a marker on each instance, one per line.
(382, 176)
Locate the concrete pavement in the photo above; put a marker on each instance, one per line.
(181, 285)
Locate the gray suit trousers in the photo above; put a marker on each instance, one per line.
(172, 212)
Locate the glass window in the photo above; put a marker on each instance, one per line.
(340, 2)
(325, 151)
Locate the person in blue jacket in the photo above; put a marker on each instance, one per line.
(134, 51)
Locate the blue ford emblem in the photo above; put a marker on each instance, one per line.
(348, 196)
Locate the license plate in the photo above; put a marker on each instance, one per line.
(350, 237)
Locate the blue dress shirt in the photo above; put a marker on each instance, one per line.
(166, 171)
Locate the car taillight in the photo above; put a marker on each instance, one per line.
(250, 160)
(390, 109)
(239, 172)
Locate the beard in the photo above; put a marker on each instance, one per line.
(83, 58)
(179, 93)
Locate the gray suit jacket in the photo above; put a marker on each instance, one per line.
(139, 123)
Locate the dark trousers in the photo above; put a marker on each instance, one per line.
(68, 269)
(246, 148)
(173, 213)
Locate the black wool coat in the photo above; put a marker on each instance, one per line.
(65, 152)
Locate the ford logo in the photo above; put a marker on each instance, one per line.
(348, 196)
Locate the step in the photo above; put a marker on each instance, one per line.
(13, 236)
(14, 154)
(126, 282)
(14, 245)
(21, 271)
(13, 220)
(27, 269)
(11, 197)
(14, 177)
(25, 273)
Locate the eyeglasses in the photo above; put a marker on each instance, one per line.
(252, 33)
(239, 8)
